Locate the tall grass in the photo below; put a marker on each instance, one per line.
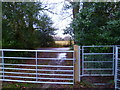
(64, 43)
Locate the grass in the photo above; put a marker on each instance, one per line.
(63, 43)
(16, 85)
(84, 84)
(10, 85)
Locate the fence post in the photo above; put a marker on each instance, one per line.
(77, 63)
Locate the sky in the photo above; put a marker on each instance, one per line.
(60, 17)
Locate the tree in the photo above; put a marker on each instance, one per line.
(24, 23)
(75, 6)
(0, 24)
(98, 24)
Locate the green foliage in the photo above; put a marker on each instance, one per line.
(25, 25)
(16, 54)
(97, 24)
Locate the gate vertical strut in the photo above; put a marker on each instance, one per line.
(116, 68)
(36, 67)
(3, 64)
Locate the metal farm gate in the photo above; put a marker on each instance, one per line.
(117, 68)
(37, 66)
(97, 64)
(45, 66)
(97, 60)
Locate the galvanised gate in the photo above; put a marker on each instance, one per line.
(37, 66)
(117, 68)
(97, 60)
(83, 61)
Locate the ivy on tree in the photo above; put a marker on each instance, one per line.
(25, 25)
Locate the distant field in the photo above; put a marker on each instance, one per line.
(63, 43)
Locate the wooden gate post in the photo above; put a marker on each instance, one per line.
(77, 63)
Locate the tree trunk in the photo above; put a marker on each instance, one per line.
(76, 7)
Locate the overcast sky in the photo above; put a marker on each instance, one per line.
(61, 17)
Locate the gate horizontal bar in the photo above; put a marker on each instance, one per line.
(96, 61)
(118, 79)
(101, 46)
(56, 74)
(19, 64)
(38, 58)
(18, 57)
(54, 66)
(37, 69)
(100, 84)
(37, 78)
(34, 50)
(97, 75)
(36, 81)
(97, 53)
(39, 65)
(98, 69)
(38, 73)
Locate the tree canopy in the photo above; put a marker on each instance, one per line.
(25, 25)
(97, 23)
